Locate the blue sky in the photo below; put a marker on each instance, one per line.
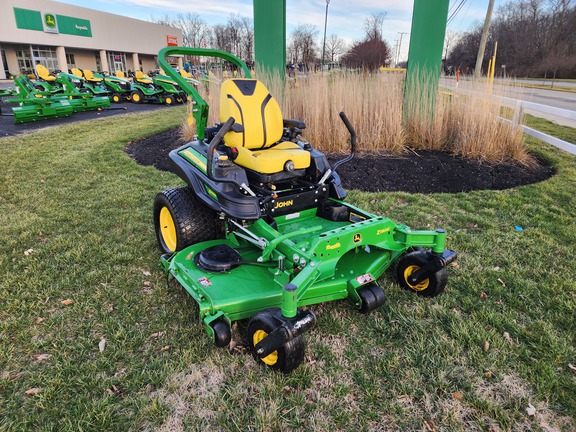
(345, 17)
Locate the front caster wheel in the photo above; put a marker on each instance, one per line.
(411, 263)
(286, 358)
(372, 297)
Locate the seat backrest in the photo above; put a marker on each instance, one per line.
(185, 74)
(252, 106)
(142, 77)
(88, 74)
(76, 72)
(43, 73)
(119, 74)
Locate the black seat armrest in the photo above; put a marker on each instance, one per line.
(291, 123)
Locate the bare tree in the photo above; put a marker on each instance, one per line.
(335, 47)
(373, 26)
(194, 29)
(535, 38)
(302, 47)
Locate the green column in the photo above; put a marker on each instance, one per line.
(270, 36)
(425, 58)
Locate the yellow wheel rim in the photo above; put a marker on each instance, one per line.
(272, 358)
(420, 286)
(168, 229)
(115, 98)
(136, 97)
(168, 101)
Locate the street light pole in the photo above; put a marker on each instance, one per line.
(325, 25)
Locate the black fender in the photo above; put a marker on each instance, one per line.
(225, 197)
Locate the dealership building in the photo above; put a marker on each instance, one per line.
(61, 37)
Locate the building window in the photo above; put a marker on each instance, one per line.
(5, 63)
(98, 62)
(24, 58)
(46, 56)
(70, 61)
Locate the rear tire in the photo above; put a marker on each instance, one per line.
(137, 96)
(180, 220)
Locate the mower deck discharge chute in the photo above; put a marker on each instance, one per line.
(262, 229)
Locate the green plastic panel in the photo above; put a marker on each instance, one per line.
(270, 36)
(425, 57)
(28, 19)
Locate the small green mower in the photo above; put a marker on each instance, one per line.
(91, 82)
(119, 86)
(261, 229)
(144, 90)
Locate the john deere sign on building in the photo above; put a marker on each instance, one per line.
(51, 23)
(61, 36)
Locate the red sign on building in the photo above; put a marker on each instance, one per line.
(171, 40)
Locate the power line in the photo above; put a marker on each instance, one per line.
(456, 10)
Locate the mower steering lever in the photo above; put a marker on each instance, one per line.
(226, 127)
(352, 141)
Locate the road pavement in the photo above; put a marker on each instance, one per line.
(552, 98)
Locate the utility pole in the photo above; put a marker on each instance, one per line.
(480, 57)
(400, 46)
(325, 25)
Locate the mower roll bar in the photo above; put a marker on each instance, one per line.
(200, 108)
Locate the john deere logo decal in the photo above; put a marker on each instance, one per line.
(49, 22)
(357, 238)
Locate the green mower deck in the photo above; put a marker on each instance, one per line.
(326, 260)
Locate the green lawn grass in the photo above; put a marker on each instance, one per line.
(76, 223)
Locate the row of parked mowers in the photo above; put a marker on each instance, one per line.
(60, 95)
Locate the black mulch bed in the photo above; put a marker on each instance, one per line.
(422, 171)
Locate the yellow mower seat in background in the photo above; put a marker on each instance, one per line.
(90, 76)
(120, 74)
(76, 72)
(44, 74)
(252, 106)
(185, 74)
(142, 78)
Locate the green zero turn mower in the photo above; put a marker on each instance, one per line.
(261, 229)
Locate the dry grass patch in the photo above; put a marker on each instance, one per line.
(464, 124)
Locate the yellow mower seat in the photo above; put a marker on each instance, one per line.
(252, 106)
(76, 72)
(44, 74)
(120, 74)
(185, 74)
(90, 76)
(142, 78)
